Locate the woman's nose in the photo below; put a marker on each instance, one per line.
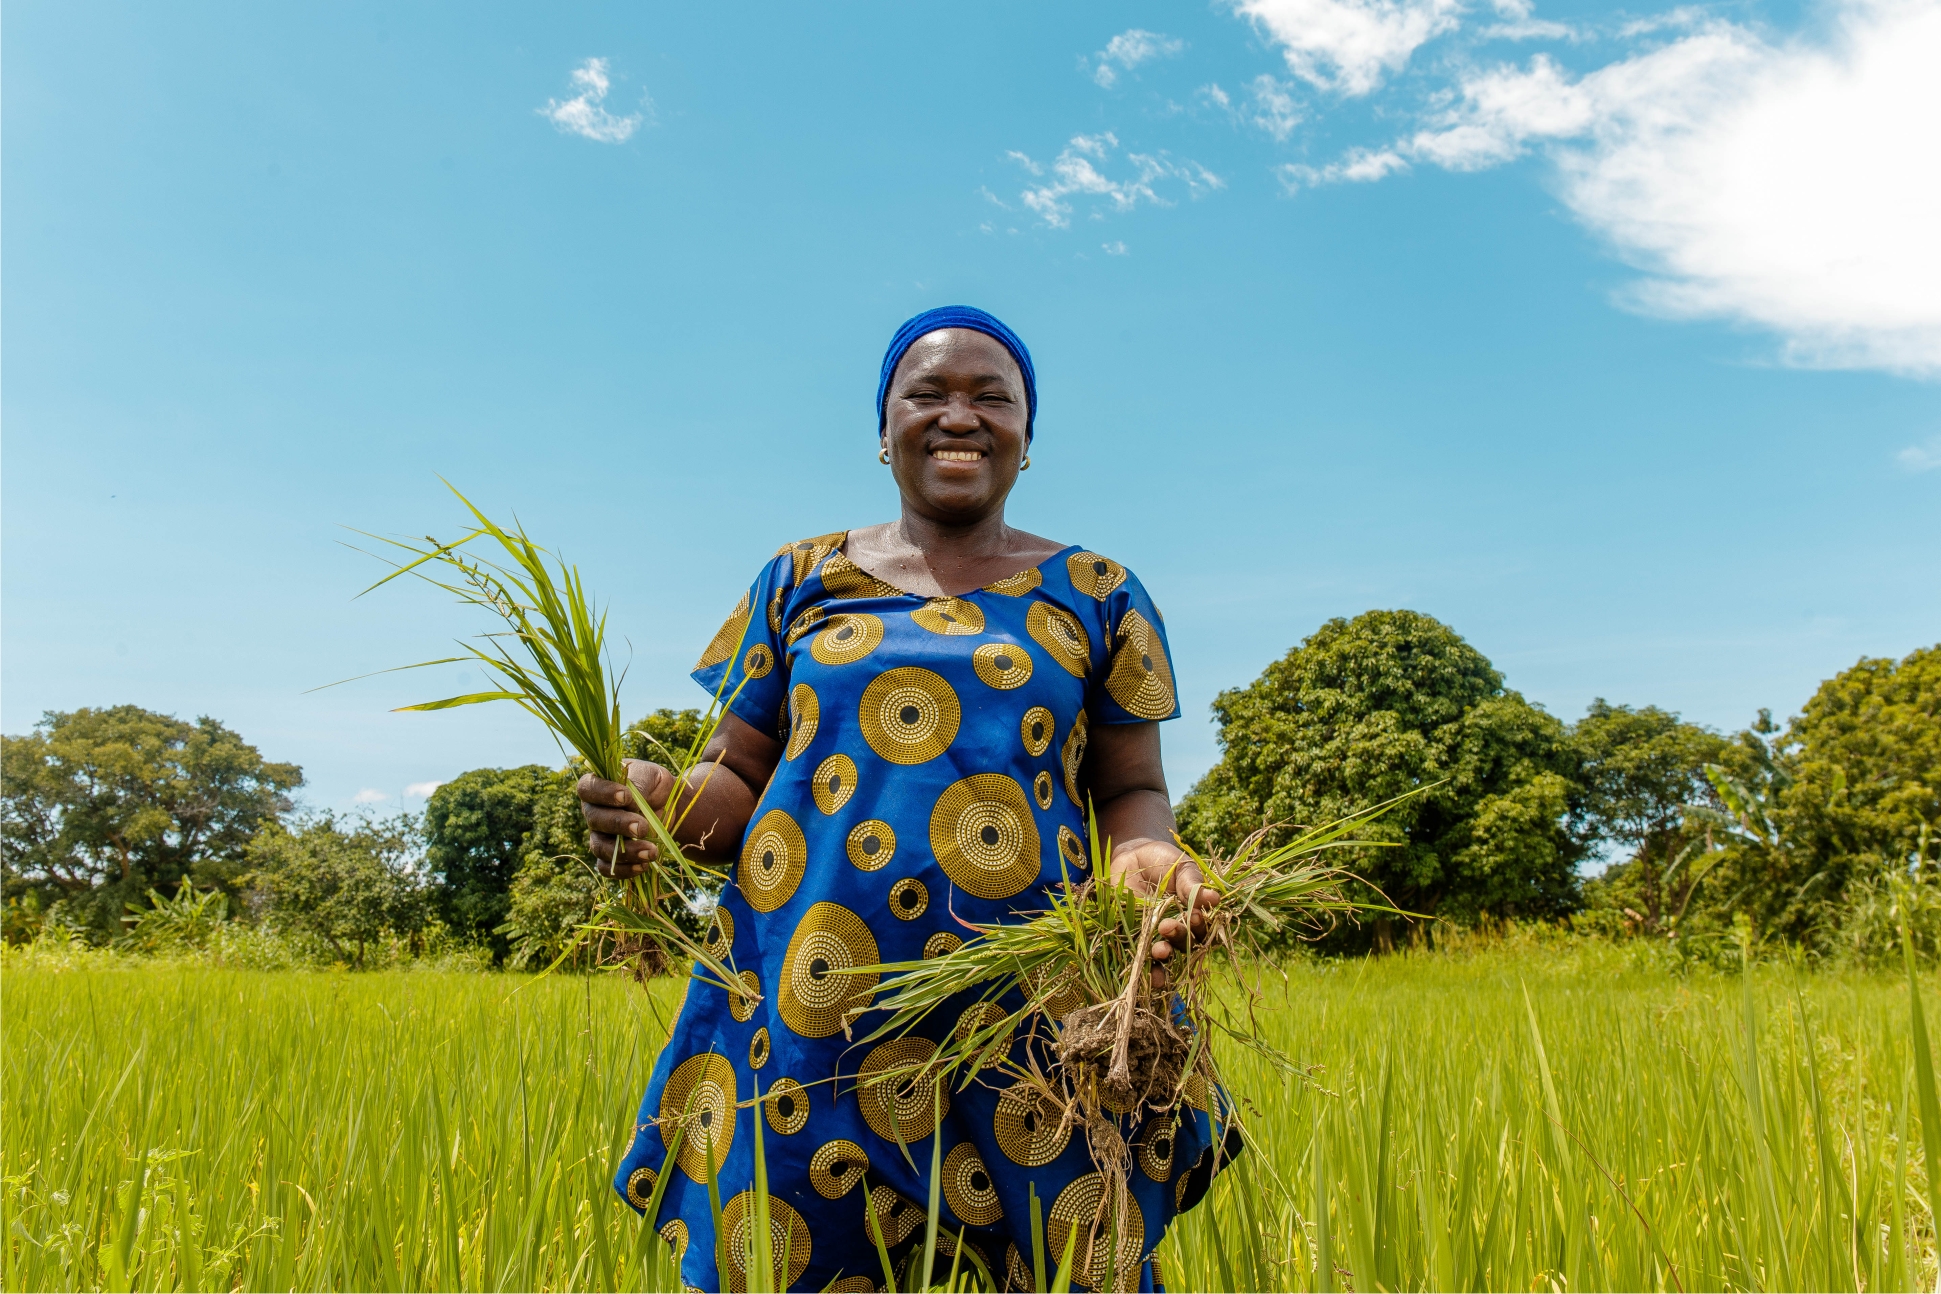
(958, 415)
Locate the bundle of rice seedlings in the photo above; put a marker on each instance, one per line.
(550, 659)
(1108, 1045)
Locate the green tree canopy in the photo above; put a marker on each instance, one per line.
(1645, 788)
(348, 882)
(475, 826)
(1866, 768)
(1369, 708)
(99, 806)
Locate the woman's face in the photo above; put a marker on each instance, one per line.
(954, 425)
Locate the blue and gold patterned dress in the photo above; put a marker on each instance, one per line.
(930, 772)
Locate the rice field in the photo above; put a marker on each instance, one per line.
(171, 1127)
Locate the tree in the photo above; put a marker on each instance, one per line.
(556, 888)
(1370, 708)
(99, 806)
(1645, 787)
(1865, 759)
(475, 826)
(348, 882)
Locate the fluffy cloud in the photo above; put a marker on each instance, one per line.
(1075, 172)
(585, 114)
(369, 795)
(1793, 187)
(1921, 458)
(422, 790)
(1349, 45)
(1128, 50)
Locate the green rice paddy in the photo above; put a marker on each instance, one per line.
(181, 1127)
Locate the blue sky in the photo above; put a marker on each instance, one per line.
(1609, 337)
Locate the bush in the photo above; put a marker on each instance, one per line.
(352, 883)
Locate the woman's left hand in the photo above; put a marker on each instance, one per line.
(1144, 865)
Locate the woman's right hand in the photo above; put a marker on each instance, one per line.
(620, 839)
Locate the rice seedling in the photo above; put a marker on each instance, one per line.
(551, 659)
(1108, 1034)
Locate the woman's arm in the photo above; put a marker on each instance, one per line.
(1128, 786)
(714, 806)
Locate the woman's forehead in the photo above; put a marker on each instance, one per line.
(959, 349)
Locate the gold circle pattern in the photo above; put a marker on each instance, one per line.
(844, 579)
(1041, 789)
(815, 997)
(727, 638)
(952, 616)
(940, 943)
(835, 782)
(805, 553)
(871, 844)
(968, 1188)
(1094, 575)
(1028, 1128)
(787, 1106)
(772, 861)
(1155, 1146)
(1072, 756)
(720, 938)
(806, 621)
(982, 1015)
(984, 836)
(1070, 847)
(909, 899)
(1016, 586)
(1059, 633)
(758, 661)
(848, 637)
(675, 1234)
(776, 601)
(1002, 665)
(909, 715)
(758, 1048)
(788, 1235)
(741, 1003)
(804, 715)
(1037, 729)
(1140, 679)
(640, 1187)
(897, 1216)
(836, 1167)
(1018, 1274)
(900, 1107)
(1080, 1205)
(704, 1087)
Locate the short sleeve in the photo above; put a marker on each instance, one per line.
(1134, 684)
(743, 663)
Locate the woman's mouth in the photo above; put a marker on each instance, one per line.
(957, 455)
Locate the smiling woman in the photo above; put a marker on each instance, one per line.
(922, 710)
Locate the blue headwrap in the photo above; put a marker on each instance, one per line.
(958, 317)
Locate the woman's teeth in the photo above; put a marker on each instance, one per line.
(957, 455)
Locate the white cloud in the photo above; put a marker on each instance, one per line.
(1349, 45)
(1128, 50)
(370, 795)
(585, 114)
(1113, 249)
(1075, 172)
(422, 790)
(1921, 458)
(1274, 108)
(1791, 187)
(1359, 166)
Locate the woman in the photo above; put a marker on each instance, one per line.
(922, 710)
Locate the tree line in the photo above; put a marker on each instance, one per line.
(120, 824)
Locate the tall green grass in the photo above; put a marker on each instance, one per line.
(1552, 1120)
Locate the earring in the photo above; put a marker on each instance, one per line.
(883, 456)
(1025, 466)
